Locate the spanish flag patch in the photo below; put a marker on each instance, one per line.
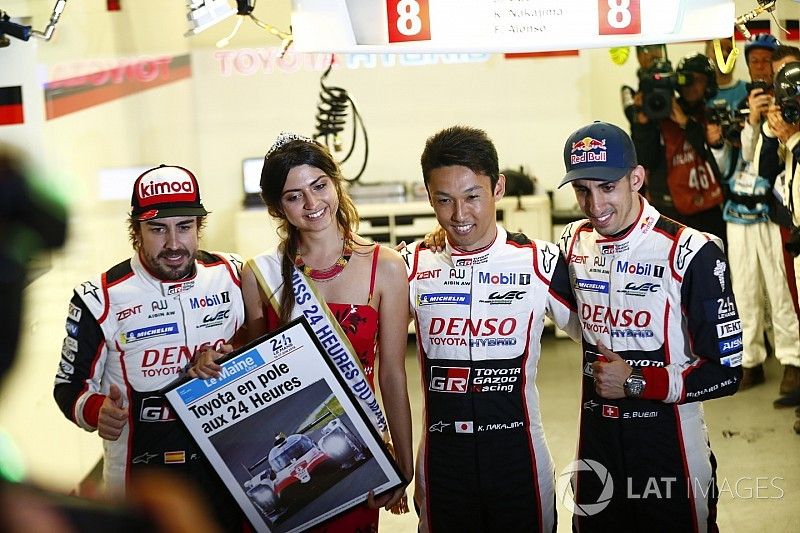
(174, 457)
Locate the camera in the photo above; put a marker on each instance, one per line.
(720, 112)
(757, 84)
(657, 85)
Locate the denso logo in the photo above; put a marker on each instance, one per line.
(481, 327)
(449, 379)
(456, 298)
(156, 188)
(641, 269)
(171, 359)
(600, 314)
(210, 300)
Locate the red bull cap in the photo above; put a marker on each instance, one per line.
(600, 151)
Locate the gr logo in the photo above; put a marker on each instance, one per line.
(449, 379)
(566, 481)
(155, 409)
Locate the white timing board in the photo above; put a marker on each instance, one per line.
(441, 26)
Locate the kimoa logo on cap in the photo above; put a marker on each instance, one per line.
(159, 186)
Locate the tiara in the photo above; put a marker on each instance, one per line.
(286, 137)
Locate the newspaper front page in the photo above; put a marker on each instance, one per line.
(286, 436)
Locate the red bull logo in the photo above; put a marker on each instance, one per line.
(588, 150)
(588, 144)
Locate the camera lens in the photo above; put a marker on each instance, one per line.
(790, 112)
(658, 103)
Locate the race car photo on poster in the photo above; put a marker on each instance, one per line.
(286, 435)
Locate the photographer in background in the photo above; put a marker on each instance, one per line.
(674, 142)
(646, 56)
(760, 265)
(758, 56)
(728, 89)
(783, 121)
(763, 274)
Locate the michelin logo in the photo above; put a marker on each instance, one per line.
(454, 298)
(147, 333)
(590, 285)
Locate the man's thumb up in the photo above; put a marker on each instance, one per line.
(115, 396)
(607, 353)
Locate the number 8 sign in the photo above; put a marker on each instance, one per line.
(408, 20)
(616, 17)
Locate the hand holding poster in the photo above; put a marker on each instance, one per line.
(286, 436)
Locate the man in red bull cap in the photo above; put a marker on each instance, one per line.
(660, 333)
(134, 328)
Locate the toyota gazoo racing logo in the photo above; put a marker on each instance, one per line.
(449, 379)
(564, 487)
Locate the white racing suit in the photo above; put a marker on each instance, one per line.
(660, 296)
(128, 328)
(763, 272)
(483, 463)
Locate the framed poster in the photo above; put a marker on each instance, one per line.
(284, 433)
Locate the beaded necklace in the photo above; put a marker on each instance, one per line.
(326, 274)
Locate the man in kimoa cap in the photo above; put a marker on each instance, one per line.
(661, 333)
(133, 329)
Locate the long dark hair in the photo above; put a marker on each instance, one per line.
(277, 165)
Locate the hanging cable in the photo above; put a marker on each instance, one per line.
(332, 112)
(244, 8)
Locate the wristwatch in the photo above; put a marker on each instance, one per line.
(634, 385)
